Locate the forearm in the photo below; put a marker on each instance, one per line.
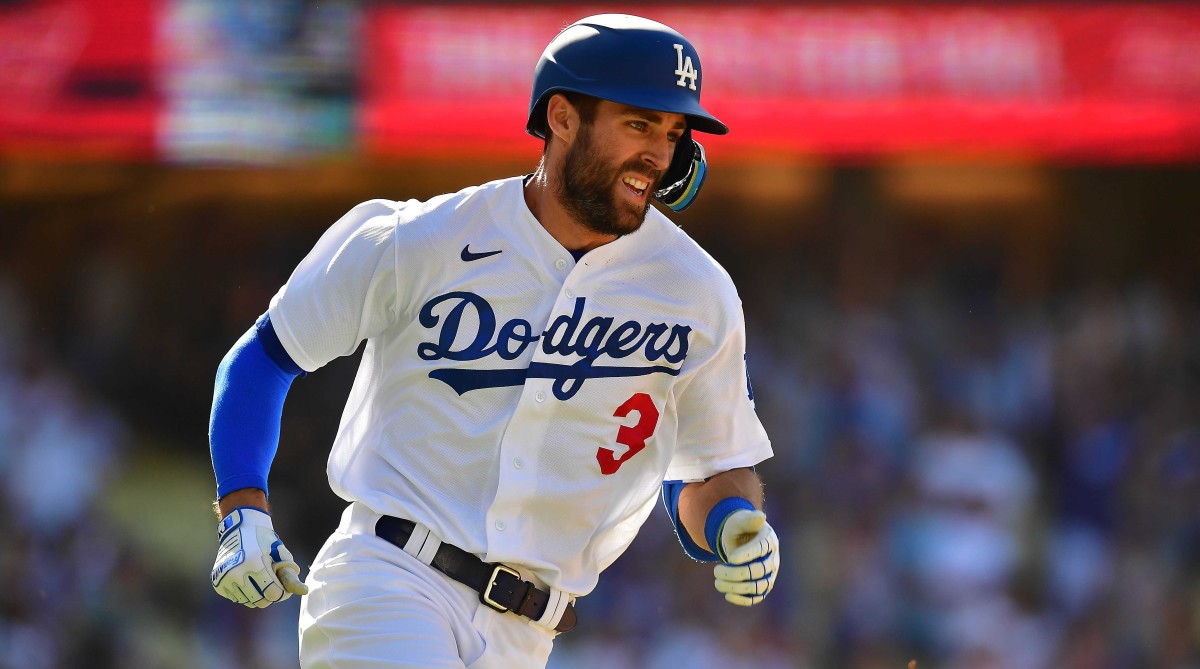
(697, 499)
(244, 497)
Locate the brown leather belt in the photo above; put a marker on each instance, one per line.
(499, 586)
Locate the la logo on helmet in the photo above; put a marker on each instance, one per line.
(685, 69)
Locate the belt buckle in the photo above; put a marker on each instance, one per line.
(486, 595)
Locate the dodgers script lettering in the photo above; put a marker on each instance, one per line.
(581, 343)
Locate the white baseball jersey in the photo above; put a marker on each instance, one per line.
(523, 406)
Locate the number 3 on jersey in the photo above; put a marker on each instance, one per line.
(634, 437)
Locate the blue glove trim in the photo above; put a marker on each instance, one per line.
(243, 429)
(227, 521)
(670, 496)
(716, 520)
(275, 557)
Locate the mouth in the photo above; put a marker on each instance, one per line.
(636, 186)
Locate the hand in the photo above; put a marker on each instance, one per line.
(749, 552)
(253, 567)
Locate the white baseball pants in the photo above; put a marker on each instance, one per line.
(371, 605)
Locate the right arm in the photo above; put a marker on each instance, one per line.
(317, 316)
(252, 384)
(253, 567)
(341, 293)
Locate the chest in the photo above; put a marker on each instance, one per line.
(571, 327)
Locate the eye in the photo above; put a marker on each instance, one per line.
(638, 125)
(674, 137)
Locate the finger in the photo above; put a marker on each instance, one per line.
(746, 521)
(269, 590)
(261, 604)
(747, 572)
(742, 587)
(289, 576)
(235, 597)
(742, 525)
(742, 600)
(728, 573)
(755, 548)
(246, 596)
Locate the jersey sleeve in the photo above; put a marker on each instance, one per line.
(344, 291)
(718, 427)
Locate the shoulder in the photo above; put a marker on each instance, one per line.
(695, 266)
(684, 281)
(414, 223)
(474, 205)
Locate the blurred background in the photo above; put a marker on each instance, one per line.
(966, 237)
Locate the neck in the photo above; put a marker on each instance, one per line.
(541, 196)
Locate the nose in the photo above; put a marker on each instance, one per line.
(659, 153)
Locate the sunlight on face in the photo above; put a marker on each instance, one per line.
(589, 188)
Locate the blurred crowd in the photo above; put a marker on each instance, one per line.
(961, 478)
(59, 445)
(966, 475)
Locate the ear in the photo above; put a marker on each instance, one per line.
(562, 119)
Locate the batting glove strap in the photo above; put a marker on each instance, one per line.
(253, 567)
(715, 521)
(749, 549)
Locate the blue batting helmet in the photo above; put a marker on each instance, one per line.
(625, 59)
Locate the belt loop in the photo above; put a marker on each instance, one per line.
(422, 544)
(500, 594)
(555, 607)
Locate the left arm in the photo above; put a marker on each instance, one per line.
(718, 513)
(721, 519)
(698, 499)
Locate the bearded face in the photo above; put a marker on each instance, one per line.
(591, 187)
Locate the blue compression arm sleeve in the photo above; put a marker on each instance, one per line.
(670, 495)
(243, 430)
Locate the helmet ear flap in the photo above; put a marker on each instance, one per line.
(681, 159)
(537, 118)
(685, 175)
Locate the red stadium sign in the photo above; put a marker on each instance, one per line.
(78, 76)
(1069, 83)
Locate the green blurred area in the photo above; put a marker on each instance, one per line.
(161, 502)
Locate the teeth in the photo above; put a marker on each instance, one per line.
(637, 183)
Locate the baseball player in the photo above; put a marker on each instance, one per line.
(545, 357)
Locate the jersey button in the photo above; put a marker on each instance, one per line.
(569, 293)
(518, 463)
(500, 525)
(539, 396)
(560, 263)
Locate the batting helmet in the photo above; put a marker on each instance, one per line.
(625, 59)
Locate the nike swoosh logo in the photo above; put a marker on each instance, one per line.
(467, 255)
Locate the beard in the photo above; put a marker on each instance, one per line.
(588, 191)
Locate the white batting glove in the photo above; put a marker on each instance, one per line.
(749, 552)
(253, 567)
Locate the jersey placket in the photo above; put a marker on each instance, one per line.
(509, 516)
